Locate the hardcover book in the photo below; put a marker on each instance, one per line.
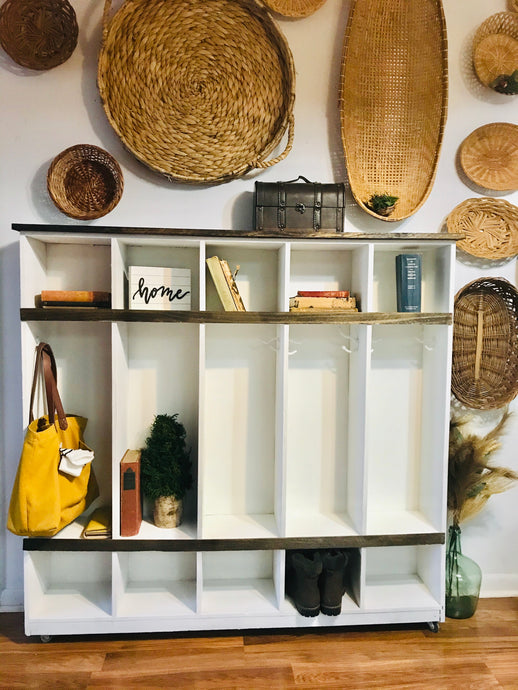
(225, 284)
(74, 298)
(408, 282)
(131, 503)
(323, 304)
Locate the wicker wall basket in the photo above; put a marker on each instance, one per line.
(209, 97)
(490, 227)
(393, 100)
(489, 156)
(495, 47)
(39, 34)
(485, 344)
(85, 182)
(294, 8)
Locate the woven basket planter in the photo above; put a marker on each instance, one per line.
(485, 344)
(393, 100)
(85, 182)
(209, 98)
(490, 227)
(294, 8)
(495, 47)
(38, 34)
(489, 156)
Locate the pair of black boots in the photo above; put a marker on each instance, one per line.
(315, 580)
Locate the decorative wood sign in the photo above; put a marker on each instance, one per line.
(157, 287)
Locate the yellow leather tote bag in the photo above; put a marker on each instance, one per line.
(45, 498)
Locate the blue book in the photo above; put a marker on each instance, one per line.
(408, 282)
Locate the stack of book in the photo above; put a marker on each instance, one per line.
(74, 298)
(323, 300)
(225, 284)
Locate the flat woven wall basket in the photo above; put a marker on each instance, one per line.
(393, 100)
(38, 34)
(495, 47)
(201, 91)
(485, 344)
(294, 8)
(489, 226)
(85, 182)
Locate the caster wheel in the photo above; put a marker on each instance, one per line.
(45, 638)
(433, 626)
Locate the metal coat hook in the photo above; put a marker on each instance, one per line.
(353, 347)
(426, 347)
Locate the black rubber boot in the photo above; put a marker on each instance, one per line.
(332, 581)
(303, 571)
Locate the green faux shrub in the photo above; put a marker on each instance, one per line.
(165, 465)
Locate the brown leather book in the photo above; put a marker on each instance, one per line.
(131, 503)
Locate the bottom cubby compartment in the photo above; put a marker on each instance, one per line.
(63, 585)
(406, 578)
(241, 583)
(151, 584)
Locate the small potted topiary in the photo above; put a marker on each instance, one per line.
(382, 204)
(166, 472)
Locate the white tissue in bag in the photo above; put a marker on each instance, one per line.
(73, 461)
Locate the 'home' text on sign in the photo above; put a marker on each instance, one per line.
(156, 287)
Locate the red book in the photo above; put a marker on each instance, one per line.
(131, 503)
(323, 293)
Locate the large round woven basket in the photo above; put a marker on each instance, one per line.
(495, 47)
(85, 182)
(39, 34)
(485, 344)
(393, 100)
(201, 91)
(294, 8)
(490, 227)
(489, 156)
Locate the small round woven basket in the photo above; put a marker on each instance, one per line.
(489, 156)
(85, 182)
(490, 227)
(485, 344)
(38, 34)
(294, 8)
(495, 47)
(209, 97)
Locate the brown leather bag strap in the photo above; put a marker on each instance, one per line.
(46, 365)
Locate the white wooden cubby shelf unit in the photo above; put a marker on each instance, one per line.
(307, 431)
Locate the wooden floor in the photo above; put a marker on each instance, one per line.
(478, 653)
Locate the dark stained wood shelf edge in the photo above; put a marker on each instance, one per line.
(245, 234)
(228, 317)
(254, 544)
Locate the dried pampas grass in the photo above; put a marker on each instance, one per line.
(472, 479)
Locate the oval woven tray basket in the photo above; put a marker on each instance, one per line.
(85, 182)
(495, 46)
(209, 97)
(489, 156)
(294, 8)
(490, 227)
(38, 34)
(393, 100)
(485, 344)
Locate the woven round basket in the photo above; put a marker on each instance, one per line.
(489, 156)
(495, 47)
(85, 182)
(209, 97)
(393, 100)
(490, 227)
(294, 8)
(485, 344)
(513, 5)
(39, 34)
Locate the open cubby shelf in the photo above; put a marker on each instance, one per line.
(307, 430)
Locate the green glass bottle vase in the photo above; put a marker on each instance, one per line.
(463, 579)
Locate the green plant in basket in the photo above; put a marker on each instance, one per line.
(506, 83)
(166, 470)
(382, 204)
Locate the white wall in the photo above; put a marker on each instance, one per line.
(43, 113)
